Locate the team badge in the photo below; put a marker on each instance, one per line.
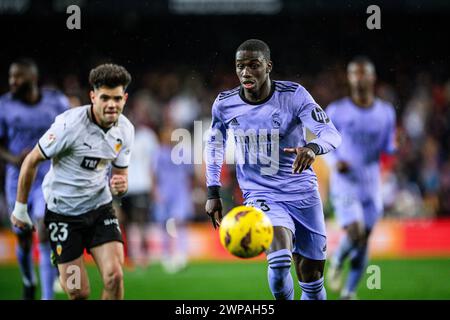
(118, 145)
(276, 121)
(51, 138)
(59, 249)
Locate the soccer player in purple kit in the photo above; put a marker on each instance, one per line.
(367, 125)
(25, 114)
(268, 119)
(172, 184)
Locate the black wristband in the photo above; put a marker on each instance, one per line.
(213, 192)
(314, 147)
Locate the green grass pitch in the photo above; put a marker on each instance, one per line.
(400, 279)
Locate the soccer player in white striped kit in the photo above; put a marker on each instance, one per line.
(83, 143)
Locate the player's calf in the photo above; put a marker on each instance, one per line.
(280, 279)
(77, 294)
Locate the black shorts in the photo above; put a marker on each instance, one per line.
(70, 235)
(135, 207)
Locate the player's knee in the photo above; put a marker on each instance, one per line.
(113, 278)
(311, 275)
(356, 234)
(75, 292)
(78, 294)
(309, 270)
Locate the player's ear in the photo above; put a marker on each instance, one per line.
(125, 97)
(92, 95)
(269, 66)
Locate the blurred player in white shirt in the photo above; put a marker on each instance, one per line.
(136, 204)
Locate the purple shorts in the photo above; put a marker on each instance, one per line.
(349, 209)
(304, 218)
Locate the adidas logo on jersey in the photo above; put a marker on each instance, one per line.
(234, 122)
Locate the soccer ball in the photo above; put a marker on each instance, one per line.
(246, 232)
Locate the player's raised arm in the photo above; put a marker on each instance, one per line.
(318, 122)
(20, 217)
(215, 149)
(332, 157)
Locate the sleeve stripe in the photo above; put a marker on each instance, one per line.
(119, 167)
(42, 151)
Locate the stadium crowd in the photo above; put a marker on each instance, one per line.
(416, 182)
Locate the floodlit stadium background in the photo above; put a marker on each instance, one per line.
(181, 55)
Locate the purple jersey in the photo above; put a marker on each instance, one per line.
(261, 131)
(22, 125)
(366, 133)
(173, 181)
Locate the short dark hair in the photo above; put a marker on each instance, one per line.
(361, 59)
(255, 45)
(109, 75)
(27, 63)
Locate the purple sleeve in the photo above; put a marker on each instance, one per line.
(215, 147)
(331, 157)
(317, 121)
(390, 143)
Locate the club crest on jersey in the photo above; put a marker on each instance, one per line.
(319, 115)
(51, 138)
(90, 163)
(276, 121)
(58, 249)
(118, 145)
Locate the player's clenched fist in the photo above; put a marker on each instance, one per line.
(20, 217)
(118, 185)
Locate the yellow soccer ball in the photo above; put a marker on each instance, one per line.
(246, 232)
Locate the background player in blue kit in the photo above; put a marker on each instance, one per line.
(367, 125)
(172, 187)
(268, 120)
(26, 112)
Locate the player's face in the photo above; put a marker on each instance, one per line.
(361, 76)
(108, 104)
(21, 80)
(252, 69)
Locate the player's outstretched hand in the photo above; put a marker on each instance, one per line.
(305, 158)
(20, 217)
(213, 209)
(118, 184)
